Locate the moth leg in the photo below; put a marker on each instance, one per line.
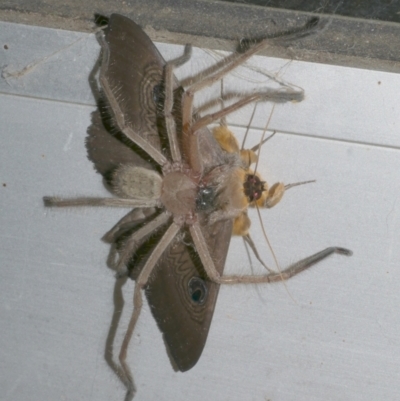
(119, 116)
(226, 139)
(248, 240)
(134, 240)
(169, 102)
(285, 274)
(228, 142)
(141, 282)
(256, 147)
(249, 156)
(241, 226)
(53, 201)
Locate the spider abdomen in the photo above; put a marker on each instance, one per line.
(179, 194)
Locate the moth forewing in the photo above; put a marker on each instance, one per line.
(157, 154)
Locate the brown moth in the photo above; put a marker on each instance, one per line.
(189, 188)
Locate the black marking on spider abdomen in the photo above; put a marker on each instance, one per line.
(205, 198)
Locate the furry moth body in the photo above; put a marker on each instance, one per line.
(189, 188)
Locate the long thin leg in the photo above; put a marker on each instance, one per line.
(135, 239)
(118, 301)
(287, 273)
(130, 220)
(169, 102)
(247, 239)
(211, 79)
(141, 281)
(285, 37)
(53, 201)
(275, 96)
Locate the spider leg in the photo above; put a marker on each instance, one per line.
(129, 221)
(135, 240)
(141, 282)
(169, 102)
(53, 201)
(287, 273)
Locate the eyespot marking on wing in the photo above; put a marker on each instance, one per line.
(198, 290)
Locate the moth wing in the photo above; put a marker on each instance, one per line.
(184, 322)
(109, 150)
(134, 72)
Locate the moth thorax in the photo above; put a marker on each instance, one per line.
(253, 187)
(137, 183)
(179, 194)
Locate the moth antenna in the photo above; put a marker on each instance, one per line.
(273, 253)
(248, 125)
(256, 147)
(262, 137)
(296, 184)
